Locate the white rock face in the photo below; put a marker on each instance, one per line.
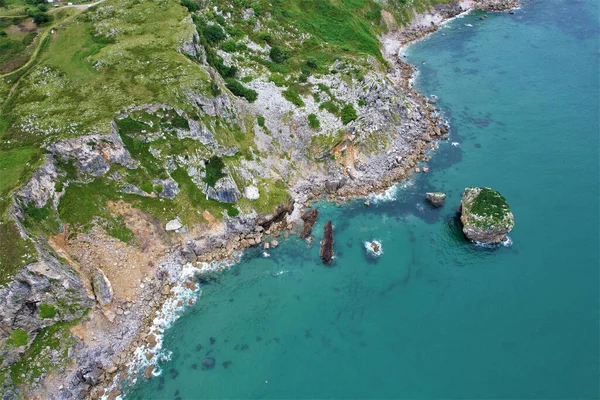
(173, 225)
(251, 193)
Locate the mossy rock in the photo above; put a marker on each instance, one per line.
(485, 215)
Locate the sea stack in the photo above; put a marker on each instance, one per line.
(327, 243)
(485, 215)
(309, 218)
(436, 198)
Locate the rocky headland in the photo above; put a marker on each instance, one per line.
(102, 284)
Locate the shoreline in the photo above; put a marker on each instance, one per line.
(183, 288)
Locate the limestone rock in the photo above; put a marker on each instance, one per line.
(173, 225)
(485, 215)
(251, 193)
(224, 191)
(436, 198)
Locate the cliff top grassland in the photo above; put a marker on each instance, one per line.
(157, 104)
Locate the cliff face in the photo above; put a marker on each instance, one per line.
(180, 135)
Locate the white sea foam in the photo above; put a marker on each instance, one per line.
(455, 144)
(507, 243)
(389, 194)
(370, 247)
(469, 25)
(181, 295)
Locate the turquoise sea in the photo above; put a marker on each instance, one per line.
(435, 316)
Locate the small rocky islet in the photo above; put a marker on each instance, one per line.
(485, 215)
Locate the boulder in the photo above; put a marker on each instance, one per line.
(173, 225)
(436, 198)
(326, 252)
(485, 215)
(251, 193)
(309, 218)
(334, 185)
(224, 191)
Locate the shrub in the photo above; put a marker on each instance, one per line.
(330, 106)
(232, 211)
(361, 102)
(190, 5)
(229, 46)
(292, 96)
(213, 33)
(241, 91)
(312, 63)
(313, 121)
(3, 33)
(261, 121)
(267, 38)
(278, 54)
(41, 18)
(348, 114)
(214, 170)
(47, 310)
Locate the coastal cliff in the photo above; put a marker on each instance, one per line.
(224, 123)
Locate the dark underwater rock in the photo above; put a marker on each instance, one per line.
(327, 243)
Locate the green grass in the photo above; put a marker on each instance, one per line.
(292, 96)
(47, 311)
(18, 338)
(490, 204)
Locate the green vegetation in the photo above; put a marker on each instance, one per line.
(278, 54)
(18, 338)
(241, 91)
(292, 96)
(214, 170)
(261, 121)
(47, 310)
(348, 114)
(313, 121)
(490, 204)
(48, 351)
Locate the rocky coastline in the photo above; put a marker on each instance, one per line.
(121, 342)
(426, 126)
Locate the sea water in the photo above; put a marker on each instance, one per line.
(435, 316)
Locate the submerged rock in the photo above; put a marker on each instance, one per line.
(208, 362)
(309, 218)
(436, 198)
(485, 215)
(327, 243)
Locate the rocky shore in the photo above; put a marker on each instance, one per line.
(418, 133)
(120, 337)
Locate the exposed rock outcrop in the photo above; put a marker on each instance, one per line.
(278, 215)
(485, 215)
(93, 154)
(436, 198)
(326, 252)
(224, 191)
(309, 218)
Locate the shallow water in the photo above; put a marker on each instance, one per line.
(435, 316)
